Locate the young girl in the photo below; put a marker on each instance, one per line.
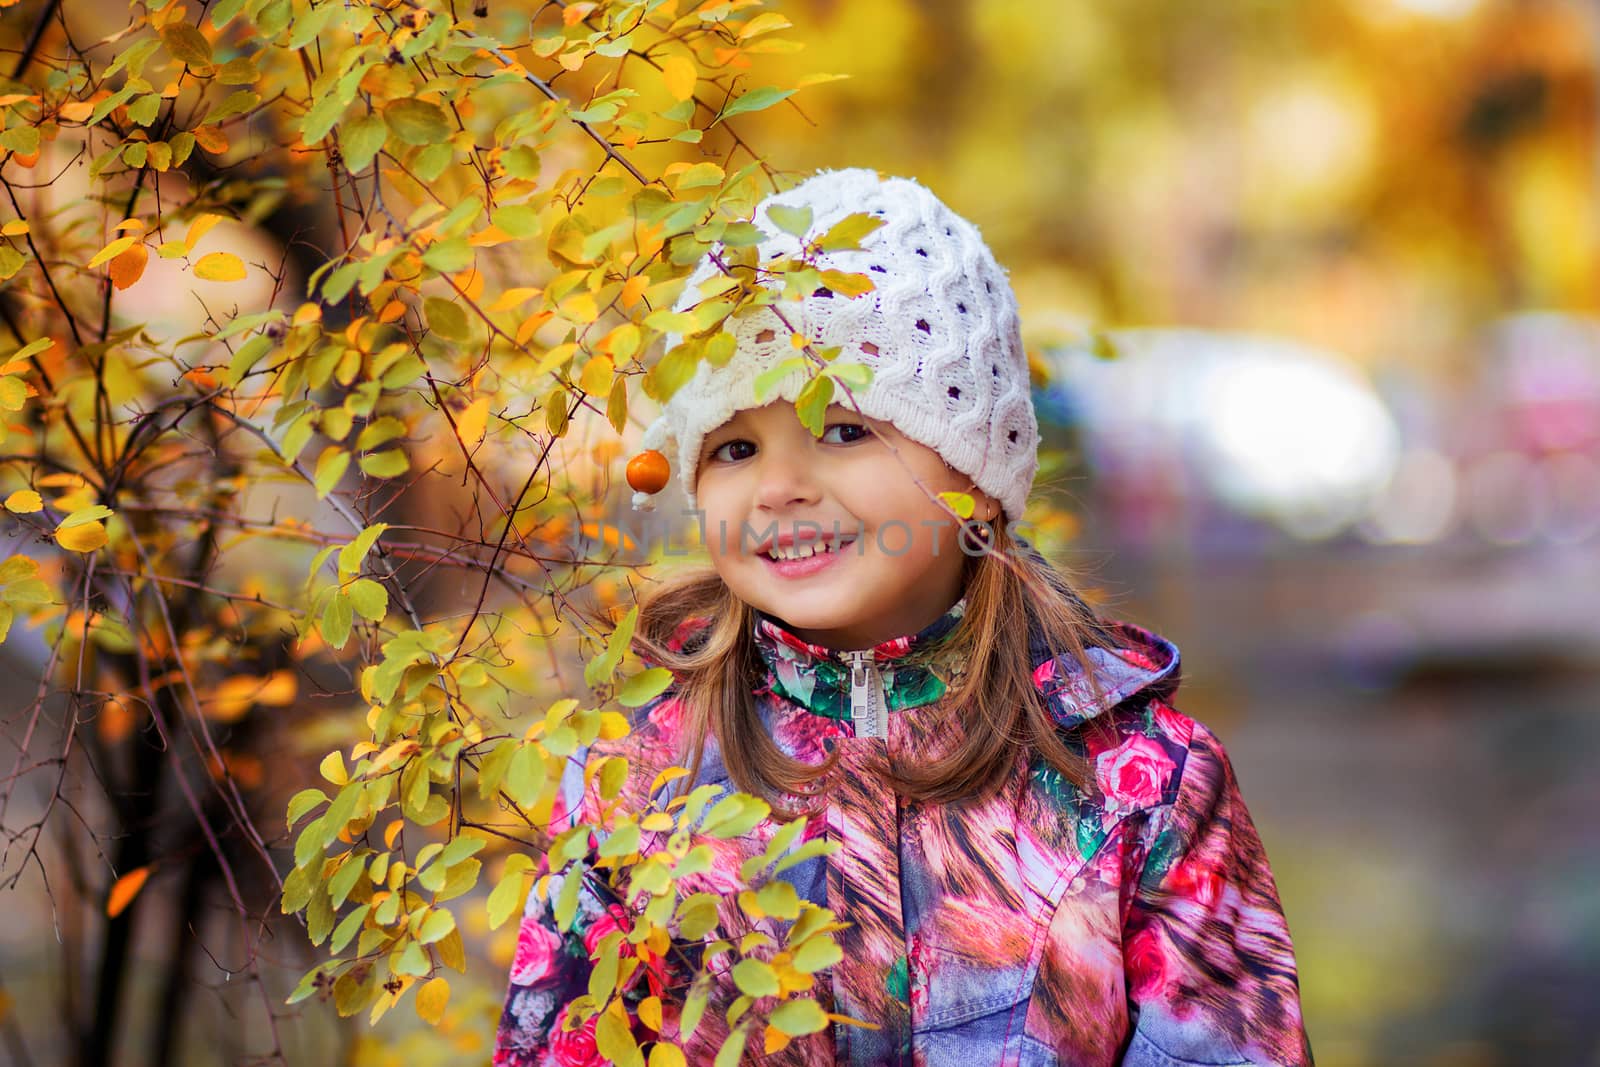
(1040, 859)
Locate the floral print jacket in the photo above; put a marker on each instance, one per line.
(1135, 923)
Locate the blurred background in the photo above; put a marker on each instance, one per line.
(1341, 443)
(1311, 291)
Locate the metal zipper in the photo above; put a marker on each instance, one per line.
(867, 711)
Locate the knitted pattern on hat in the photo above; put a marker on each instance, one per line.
(940, 331)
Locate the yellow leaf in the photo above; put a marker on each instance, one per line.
(512, 297)
(220, 267)
(333, 769)
(764, 23)
(665, 1055)
(14, 228)
(776, 1040)
(113, 250)
(136, 225)
(632, 290)
(85, 538)
(199, 228)
(232, 698)
(470, 425)
(432, 998)
(680, 76)
(124, 889)
(211, 139)
(279, 689)
(24, 501)
(596, 375)
(129, 266)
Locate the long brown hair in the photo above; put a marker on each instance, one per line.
(1002, 713)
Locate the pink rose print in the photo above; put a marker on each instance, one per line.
(1197, 881)
(922, 965)
(1132, 774)
(573, 1048)
(1146, 964)
(1044, 672)
(611, 920)
(667, 716)
(537, 948)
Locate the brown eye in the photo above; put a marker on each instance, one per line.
(851, 432)
(717, 453)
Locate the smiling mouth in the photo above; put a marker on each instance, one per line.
(807, 549)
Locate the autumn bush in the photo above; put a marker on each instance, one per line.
(327, 326)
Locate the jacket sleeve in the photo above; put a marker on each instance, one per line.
(1208, 962)
(550, 967)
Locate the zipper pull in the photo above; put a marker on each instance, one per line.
(867, 712)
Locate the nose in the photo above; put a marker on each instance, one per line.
(786, 478)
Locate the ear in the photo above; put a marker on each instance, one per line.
(984, 506)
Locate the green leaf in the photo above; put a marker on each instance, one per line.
(224, 12)
(449, 256)
(766, 380)
(622, 842)
(304, 802)
(734, 816)
(248, 355)
(11, 261)
(812, 403)
(186, 44)
(521, 162)
(348, 928)
(779, 900)
(416, 121)
(331, 466)
(24, 140)
(732, 1049)
(858, 376)
(412, 961)
(316, 123)
(236, 104)
(351, 556)
(506, 899)
(792, 220)
(603, 977)
(436, 926)
(815, 953)
(641, 688)
(379, 431)
(519, 220)
(447, 319)
(345, 878)
(369, 599)
(604, 665)
(754, 100)
(567, 900)
(799, 1017)
(389, 464)
(362, 140)
(337, 618)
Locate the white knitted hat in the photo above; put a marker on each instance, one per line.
(940, 332)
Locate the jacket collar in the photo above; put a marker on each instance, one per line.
(817, 678)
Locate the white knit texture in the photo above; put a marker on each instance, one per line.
(940, 332)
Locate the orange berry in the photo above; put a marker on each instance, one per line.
(648, 471)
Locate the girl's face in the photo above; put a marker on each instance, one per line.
(896, 564)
